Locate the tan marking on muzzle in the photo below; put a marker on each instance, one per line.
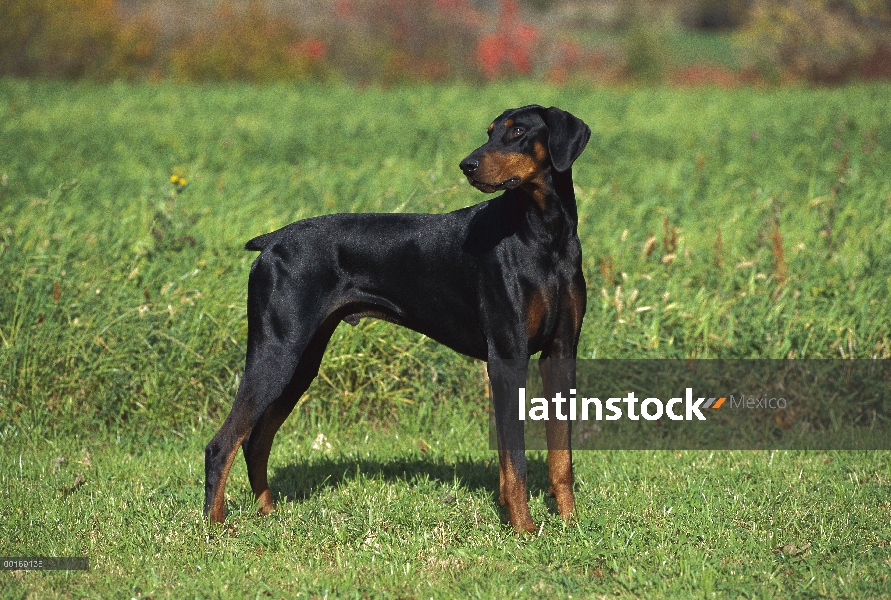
(497, 167)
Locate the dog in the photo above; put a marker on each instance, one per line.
(497, 281)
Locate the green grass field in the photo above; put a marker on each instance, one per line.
(715, 224)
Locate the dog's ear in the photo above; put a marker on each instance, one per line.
(568, 137)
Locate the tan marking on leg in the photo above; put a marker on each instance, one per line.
(266, 503)
(559, 442)
(576, 308)
(258, 461)
(513, 496)
(257, 465)
(536, 311)
(502, 499)
(560, 474)
(217, 512)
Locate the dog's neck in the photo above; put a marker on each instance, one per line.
(550, 204)
(547, 220)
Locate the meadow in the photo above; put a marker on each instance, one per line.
(745, 223)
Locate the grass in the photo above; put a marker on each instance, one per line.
(715, 224)
(378, 516)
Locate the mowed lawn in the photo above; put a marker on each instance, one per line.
(749, 223)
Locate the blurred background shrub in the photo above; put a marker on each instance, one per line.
(74, 38)
(826, 41)
(248, 43)
(391, 40)
(387, 41)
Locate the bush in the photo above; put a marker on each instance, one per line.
(818, 40)
(262, 40)
(391, 40)
(246, 44)
(646, 57)
(73, 38)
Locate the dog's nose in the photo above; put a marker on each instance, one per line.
(469, 165)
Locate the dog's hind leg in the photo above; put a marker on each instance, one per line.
(259, 389)
(289, 324)
(258, 444)
(284, 323)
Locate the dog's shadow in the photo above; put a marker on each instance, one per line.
(303, 478)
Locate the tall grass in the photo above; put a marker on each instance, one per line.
(122, 293)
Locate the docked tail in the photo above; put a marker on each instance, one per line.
(260, 243)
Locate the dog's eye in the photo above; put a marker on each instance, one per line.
(517, 132)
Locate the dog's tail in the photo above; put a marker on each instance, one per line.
(261, 242)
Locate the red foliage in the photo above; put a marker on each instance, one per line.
(311, 47)
(508, 51)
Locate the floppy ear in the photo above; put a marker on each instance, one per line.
(568, 137)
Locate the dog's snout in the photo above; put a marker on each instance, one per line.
(469, 165)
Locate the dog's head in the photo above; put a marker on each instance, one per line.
(524, 144)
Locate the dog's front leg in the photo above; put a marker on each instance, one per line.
(506, 377)
(558, 376)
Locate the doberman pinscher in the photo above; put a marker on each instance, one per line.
(498, 280)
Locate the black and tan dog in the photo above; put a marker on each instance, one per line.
(498, 280)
